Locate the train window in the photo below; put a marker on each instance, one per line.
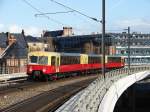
(53, 60)
(33, 59)
(114, 59)
(57, 61)
(123, 60)
(43, 60)
(92, 59)
(68, 60)
(62, 60)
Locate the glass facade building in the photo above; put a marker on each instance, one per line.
(139, 48)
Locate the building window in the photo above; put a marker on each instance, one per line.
(34, 44)
(118, 43)
(122, 52)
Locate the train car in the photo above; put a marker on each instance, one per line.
(42, 63)
(52, 65)
(69, 62)
(114, 62)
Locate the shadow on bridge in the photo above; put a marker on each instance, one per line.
(136, 98)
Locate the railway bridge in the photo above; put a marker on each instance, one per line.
(103, 94)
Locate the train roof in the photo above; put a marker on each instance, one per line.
(70, 54)
(113, 56)
(41, 53)
(78, 54)
(94, 55)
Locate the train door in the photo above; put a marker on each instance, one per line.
(83, 59)
(57, 63)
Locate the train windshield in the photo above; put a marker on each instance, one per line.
(39, 60)
(33, 59)
(43, 60)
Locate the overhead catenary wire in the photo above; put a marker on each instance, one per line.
(92, 18)
(37, 10)
(41, 14)
(51, 19)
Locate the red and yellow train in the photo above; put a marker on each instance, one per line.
(54, 65)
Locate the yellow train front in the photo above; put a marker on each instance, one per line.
(52, 65)
(41, 64)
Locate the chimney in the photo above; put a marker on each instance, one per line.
(22, 32)
(43, 35)
(67, 31)
(10, 39)
(7, 34)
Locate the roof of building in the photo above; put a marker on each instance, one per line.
(3, 38)
(77, 43)
(53, 33)
(133, 35)
(32, 39)
(19, 48)
(77, 40)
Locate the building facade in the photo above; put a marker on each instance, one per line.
(35, 43)
(13, 54)
(139, 48)
(14, 49)
(65, 41)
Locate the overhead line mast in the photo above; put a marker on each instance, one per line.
(103, 38)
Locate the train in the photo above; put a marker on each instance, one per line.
(53, 65)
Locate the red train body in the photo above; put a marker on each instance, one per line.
(51, 64)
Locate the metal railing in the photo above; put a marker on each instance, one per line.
(12, 74)
(10, 70)
(90, 98)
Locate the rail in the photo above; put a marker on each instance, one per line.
(89, 99)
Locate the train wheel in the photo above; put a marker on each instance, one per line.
(46, 79)
(60, 75)
(30, 77)
(34, 77)
(54, 77)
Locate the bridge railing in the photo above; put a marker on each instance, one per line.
(90, 98)
(10, 70)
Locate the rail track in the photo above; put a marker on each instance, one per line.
(52, 99)
(25, 84)
(13, 87)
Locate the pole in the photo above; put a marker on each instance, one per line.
(103, 38)
(128, 48)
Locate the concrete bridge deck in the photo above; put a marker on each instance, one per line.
(102, 94)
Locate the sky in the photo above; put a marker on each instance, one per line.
(16, 15)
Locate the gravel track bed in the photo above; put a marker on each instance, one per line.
(8, 99)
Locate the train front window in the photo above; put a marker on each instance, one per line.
(33, 59)
(43, 60)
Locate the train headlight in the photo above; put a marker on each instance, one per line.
(30, 69)
(44, 69)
